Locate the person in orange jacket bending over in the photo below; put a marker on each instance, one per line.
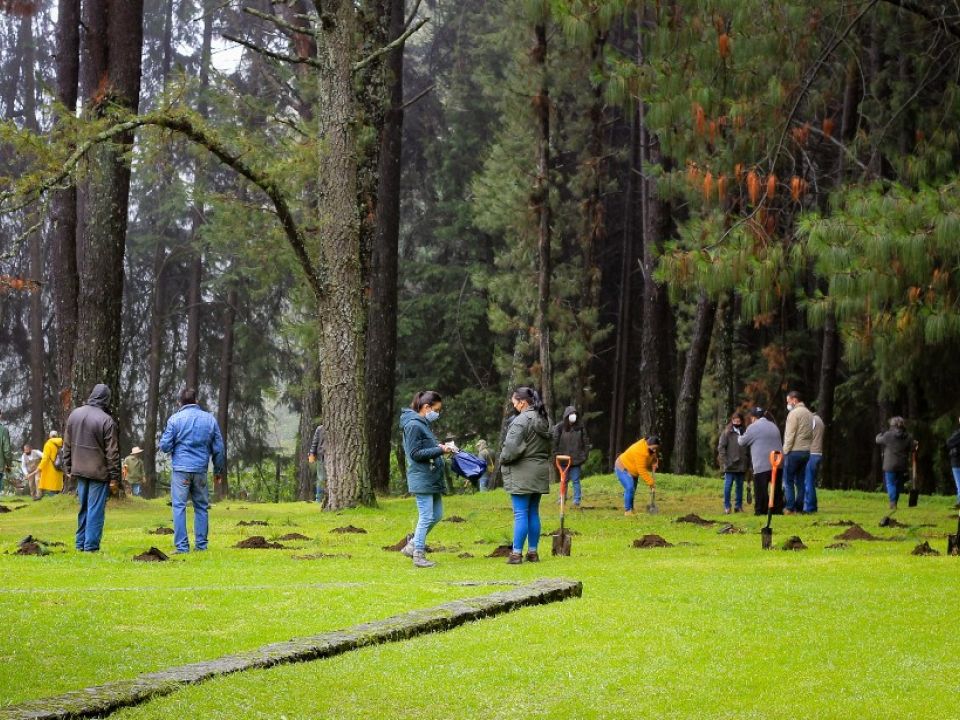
(637, 461)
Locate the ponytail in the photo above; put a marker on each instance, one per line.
(532, 398)
(425, 397)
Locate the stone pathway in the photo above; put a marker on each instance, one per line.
(104, 699)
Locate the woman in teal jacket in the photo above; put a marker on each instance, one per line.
(424, 469)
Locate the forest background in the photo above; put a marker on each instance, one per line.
(660, 212)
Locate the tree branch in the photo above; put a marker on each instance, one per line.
(278, 21)
(293, 59)
(918, 9)
(398, 42)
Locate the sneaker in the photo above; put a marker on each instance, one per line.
(788, 512)
(533, 556)
(408, 549)
(420, 560)
(515, 559)
(629, 513)
(726, 511)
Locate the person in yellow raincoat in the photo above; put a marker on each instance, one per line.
(636, 461)
(51, 479)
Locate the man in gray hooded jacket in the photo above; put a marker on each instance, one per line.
(570, 438)
(91, 454)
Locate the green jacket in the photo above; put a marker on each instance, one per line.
(424, 456)
(135, 470)
(525, 457)
(6, 451)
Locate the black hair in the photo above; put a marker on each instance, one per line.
(532, 398)
(758, 412)
(653, 440)
(425, 397)
(188, 396)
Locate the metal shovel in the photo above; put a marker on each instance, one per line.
(766, 533)
(563, 540)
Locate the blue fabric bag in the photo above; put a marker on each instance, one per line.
(468, 466)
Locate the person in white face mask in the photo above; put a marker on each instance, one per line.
(734, 461)
(570, 438)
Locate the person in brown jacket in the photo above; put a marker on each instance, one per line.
(91, 454)
(797, 437)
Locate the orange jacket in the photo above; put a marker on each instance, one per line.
(638, 461)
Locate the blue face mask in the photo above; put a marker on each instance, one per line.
(432, 416)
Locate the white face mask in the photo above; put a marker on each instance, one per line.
(789, 407)
(573, 418)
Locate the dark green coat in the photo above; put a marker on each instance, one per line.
(525, 456)
(424, 461)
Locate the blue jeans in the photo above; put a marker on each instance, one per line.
(793, 479)
(526, 521)
(429, 513)
(321, 480)
(192, 486)
(956, 479)
(136, 488)
(729, 478)
(482, 482)
(573, 477)
(92, 495)
(894, 480)
(810, 482)
(629, 487)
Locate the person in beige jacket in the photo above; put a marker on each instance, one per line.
(813, 464)
(797, 437)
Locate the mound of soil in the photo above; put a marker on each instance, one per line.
(293, 536)
(855, 532)
(257, 542)
(251, 523)
(651, 541)
(161, 531)
(695, 520)
(839, 546)
(321, 556)
(729, 529)
(349, 529)
(893, 522)
(455, 519)
(400, 545)
(4, 509)
(465, 556)
(502, 551)
(31, 548)
(924, 549)
(152, 555)
(836, 523)
(794, 543)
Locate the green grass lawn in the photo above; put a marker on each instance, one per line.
(713, 627)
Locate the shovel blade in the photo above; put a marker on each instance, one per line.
(953, 545)
(766, 538)
(914, 498)
(562, 542)
(885, 522)
(652, 509)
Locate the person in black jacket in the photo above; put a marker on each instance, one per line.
(570, 438)
(953, 446)
(734, 461)
(897, 446)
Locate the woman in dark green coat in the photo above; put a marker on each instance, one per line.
(424, 469)
(525, 461)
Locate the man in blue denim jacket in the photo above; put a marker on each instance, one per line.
(191, 437)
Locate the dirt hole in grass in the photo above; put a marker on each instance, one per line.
(152, 555)
(794, 543)
(839, 546)
(455, 519)
(855, 532)
(924, 549)
(321, 556)
(465, 556)
(695, 520)
(258, 542)
(162, 531)
(729, 529)
(31, 548)
(349, 529)
(4, 509)
(651, 541)
(836, 523)
(293, 536)
(252, 523)
(502, 551)
(893, 522)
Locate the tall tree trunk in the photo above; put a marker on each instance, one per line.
(37, 365)
(688, 400)
(310, 411)
(382, 313)
(63, 212)
(113, 34)
(226, 381)
(541, 203)
(342, 306)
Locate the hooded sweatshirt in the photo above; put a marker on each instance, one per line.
(525, 456)
(897, 444)
(50, 478)
(424, 456)
(571, 439)
(91, 447)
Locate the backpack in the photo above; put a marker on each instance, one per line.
(58, 461)
(468, 466)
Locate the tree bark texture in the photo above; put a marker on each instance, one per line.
(226, 381)
(541, 204)
(63, 213)
(382, 313)
(688, 400)
(110, 74)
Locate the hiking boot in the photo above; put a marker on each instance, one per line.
(515, 559)
(629, 513)
(893, 505)
(787, 511)
(408, 549)
(726, 511)
(533, 556)
(420, 560)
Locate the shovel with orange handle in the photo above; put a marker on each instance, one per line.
(563, 540)
(766, 534)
